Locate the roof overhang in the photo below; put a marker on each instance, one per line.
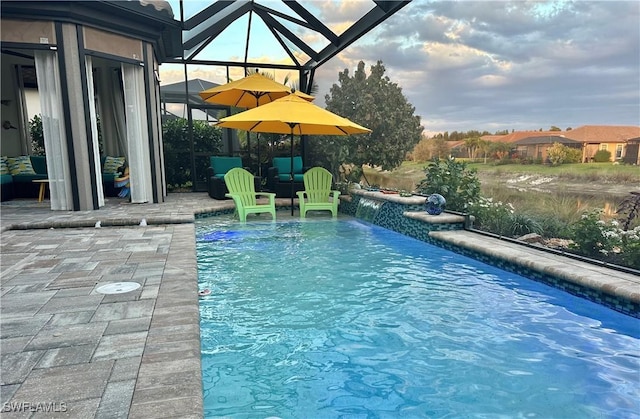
(127, 18)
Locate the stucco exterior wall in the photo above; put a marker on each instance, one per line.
(28, 31)
(110, 43)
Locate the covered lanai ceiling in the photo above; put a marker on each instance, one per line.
(283, 34)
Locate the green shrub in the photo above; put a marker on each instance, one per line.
(602, 156)
(630, 255)
(590, 237)
(500, 218)
(556, 154)
(521, 224)
(452, 179)
(561, 154)
(554, 227)
(177, 150)
(574, 155)
(595, 238)
(492, 216)
(37, 136)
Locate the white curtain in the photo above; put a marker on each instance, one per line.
(137, 134)
(94, 131)
(53, 129)
(160, 144)
(117, 102)
(111, 110)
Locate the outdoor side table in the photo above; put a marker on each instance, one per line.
(43, 184)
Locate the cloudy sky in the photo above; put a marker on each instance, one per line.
(496, 65)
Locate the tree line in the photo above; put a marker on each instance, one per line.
(463, 135)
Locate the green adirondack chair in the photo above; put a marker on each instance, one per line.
(317, 194)
(243, 192)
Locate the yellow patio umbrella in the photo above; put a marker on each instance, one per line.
(303, 95)
(249, 92)
(292, 115)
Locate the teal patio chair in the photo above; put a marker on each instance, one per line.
(242, 190)
(317, 194)
(218, 167)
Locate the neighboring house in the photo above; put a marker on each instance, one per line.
(518, 135)
(621, 141)
(175, 98)
(536, 146)
(524, 150)
(458, 149)
(613, 138)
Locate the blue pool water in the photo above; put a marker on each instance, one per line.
(328, 319)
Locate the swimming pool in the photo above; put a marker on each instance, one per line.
(324, 319)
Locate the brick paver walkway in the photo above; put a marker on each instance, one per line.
(66, 347)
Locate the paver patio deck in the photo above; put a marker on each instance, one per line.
(68, 348)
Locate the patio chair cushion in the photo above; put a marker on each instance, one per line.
(221, 165)
(20, 165)
(4, 166)
(23, 171)
(283, 164)
(39, 164)
(6, 178)
(111, 164)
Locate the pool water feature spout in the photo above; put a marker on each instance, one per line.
(368, 209)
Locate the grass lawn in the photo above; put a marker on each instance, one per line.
(562, 192)
(578, 171)
(409, 173)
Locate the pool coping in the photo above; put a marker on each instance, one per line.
(612, 288)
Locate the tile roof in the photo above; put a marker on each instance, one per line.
(604, 133)
(585, 133)
(519, 135)
(546, 139)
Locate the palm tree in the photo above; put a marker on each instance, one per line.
(485, 146)
(472, 144)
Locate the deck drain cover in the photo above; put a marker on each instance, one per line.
(118, 287)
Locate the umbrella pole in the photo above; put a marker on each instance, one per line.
(291, 172)
(248, 148)
(258, 142)
(259, 163)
